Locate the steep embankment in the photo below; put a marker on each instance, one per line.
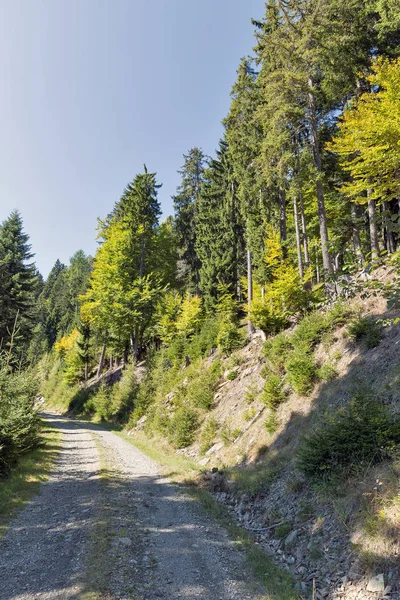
(333, 532)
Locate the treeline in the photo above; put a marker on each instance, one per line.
(304, 187)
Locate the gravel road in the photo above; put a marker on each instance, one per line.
(108, 525)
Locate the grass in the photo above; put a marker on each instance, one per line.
(32, 470)
(278, 583)
(97, 570)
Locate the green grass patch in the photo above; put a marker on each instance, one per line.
(32, 470)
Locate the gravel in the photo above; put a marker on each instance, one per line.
(131, 535)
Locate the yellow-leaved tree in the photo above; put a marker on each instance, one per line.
(368, 143)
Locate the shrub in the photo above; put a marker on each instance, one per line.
(182, 427)
(277, 349)
(229, 337)
(366, 329)
(273, 393)
(327, 372)
(271, 424)
(100, 402)
(123, 395)
(19, 423)
(301, 372)
(309, 332)
(202, 343)
(361, 433)
(200, 391)
(208, 435)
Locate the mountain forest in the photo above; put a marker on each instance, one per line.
(288, 234)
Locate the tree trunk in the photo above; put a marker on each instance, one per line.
(101, 363)
(298, 241)
(135, 350)
(373, 229)
(250, 326)
(388, 226)
(356, 234)
(323, 227)
(282, 220)
(86, 371)
(126, 355)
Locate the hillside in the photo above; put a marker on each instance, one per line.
(244, 427)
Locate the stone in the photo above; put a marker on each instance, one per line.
(388, 590)
(204, 461)
(125, 541)
(376, 584)
(291, 538)
(215, 448)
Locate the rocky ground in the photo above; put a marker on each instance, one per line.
(107, 525)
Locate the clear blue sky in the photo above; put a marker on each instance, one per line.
(92, 89)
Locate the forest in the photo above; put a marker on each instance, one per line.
(302, 192)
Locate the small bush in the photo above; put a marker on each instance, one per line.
(19, 423)
(232, 375)
(208, 435)
(182, 427)
(362, 433)
(123, 395)
(229, 337)
(277, 349)
(273, 393)
(301, 372)
(309, 332)
(366, 329)
(200, 391)
(271, 424)
(251, 394)
(327, 372)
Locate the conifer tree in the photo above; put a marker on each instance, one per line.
(185, 206)
(18, 282)
(220, 231)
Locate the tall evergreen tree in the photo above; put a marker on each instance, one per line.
(18, 282)
(220, 231)
(185, 206)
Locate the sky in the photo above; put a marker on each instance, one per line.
(93, 89)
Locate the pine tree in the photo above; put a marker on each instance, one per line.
(185, 206)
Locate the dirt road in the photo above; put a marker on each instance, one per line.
(108, 525)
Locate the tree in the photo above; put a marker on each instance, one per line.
(185, 206)
(18, 283)
(368, 142)
(122, 296)
(220, 232)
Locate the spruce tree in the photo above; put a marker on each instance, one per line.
(220, 231)
(18, 282)
(185, 206)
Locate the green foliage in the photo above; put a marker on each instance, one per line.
(229, 337)
(208, 434)
(301, 372)
(273, 393)
(200, 391)
(182, 427)
(99, 403)
(363, 433)
(277, 349)
(19, 422)
(367, 330)
(327, 372)
(271, 423)
(18, 283)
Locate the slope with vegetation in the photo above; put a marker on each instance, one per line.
(288, 234)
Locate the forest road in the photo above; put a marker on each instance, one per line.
(107, 525)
